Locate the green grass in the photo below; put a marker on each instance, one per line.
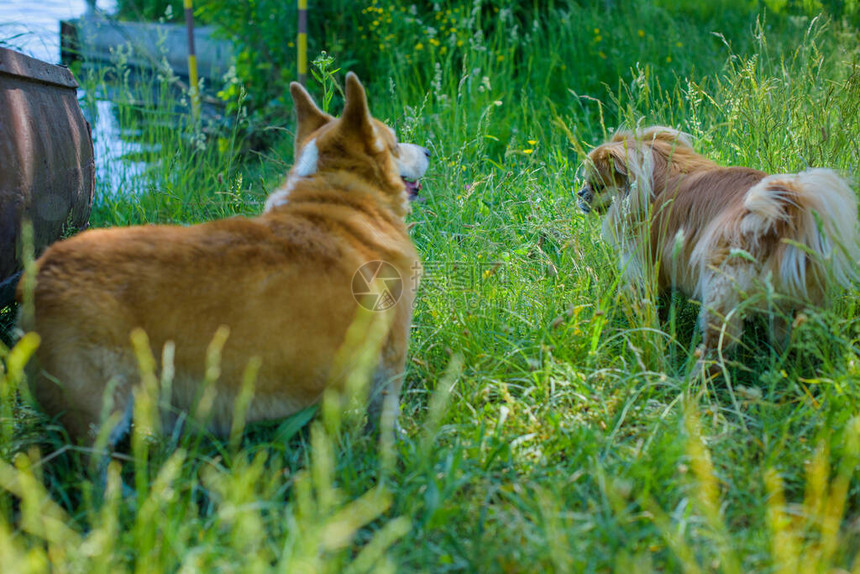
(550, 419)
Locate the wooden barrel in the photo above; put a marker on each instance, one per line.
(47, 169)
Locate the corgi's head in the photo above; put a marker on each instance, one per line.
(355, 143)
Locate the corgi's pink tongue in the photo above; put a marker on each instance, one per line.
(412, 188)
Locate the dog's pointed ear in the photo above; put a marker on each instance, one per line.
(356, 114)
(309, 117)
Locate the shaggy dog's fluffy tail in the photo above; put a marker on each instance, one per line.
(814, 216)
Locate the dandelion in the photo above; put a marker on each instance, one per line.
(500, 58)
(598, 39)
(596, 31)
(419, 46)
(668, 59)
(641, 33)
(679, 44)
(532, 142)
(528, 151)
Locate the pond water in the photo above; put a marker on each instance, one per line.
(33, 28)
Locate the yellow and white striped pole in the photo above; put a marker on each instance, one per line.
(192, 61)
(302, 43)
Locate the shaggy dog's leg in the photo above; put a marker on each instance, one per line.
(780, 331)
(723, 290)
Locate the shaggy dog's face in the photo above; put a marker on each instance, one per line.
(648, 156)
(605, 178)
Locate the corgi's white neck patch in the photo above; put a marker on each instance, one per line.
(281, 195)
(305, 166)
(307, 162)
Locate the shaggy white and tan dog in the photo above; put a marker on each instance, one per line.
(721, 234)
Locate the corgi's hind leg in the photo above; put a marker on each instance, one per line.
(384, 400)
(85, 391)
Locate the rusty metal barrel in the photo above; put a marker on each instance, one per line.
(47, 167)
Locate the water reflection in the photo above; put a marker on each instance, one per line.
(116, 171)
(33, 28)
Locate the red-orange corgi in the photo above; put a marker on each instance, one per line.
(284, 283)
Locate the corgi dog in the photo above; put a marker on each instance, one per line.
(721, 234)
(283, 285)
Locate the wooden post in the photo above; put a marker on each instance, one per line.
(192, 61)
(302, 43)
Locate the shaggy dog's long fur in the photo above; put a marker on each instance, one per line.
(721, 234)
(281, 282)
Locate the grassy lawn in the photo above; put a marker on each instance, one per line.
(551, 421)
